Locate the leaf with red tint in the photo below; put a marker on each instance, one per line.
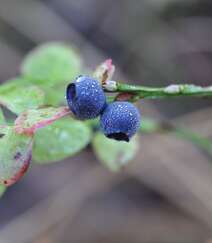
(16, 153)
(104, 71)
(28, 122)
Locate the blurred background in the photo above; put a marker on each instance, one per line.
(165, 194)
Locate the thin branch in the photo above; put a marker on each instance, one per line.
(174, 90)
(151, 126)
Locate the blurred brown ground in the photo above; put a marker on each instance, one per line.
(165, 194)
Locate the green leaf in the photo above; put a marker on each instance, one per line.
(55, 96)
(51, 63)
(2, 190)
(114, 154)
(93, 123)
(2, 118)
(149, 125)
(60, 140)
(15, 151)
(28, 122)
(18, 96)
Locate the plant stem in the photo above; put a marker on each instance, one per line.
(201, 142)
(152, 126)
(173, 90)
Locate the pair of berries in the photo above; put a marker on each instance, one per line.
(87, 100)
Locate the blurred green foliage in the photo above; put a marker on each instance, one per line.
(18, 96)
(60, 140)
(52, 66)
(45, 73)
(114, 154)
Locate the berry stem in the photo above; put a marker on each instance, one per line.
(174, 90)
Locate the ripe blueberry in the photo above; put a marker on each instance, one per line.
(85, 97)
(120, 120)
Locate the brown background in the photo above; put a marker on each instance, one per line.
(165, 194)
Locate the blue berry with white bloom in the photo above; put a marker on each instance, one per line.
(85, 98)
(120, 120)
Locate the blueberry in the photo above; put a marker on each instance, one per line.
(85, 97)
(120, 120)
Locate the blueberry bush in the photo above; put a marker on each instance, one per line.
(59, 109)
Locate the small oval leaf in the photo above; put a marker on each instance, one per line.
(51, 63)
(17, 96)
(149, 125)
(2, 118)
(60, 140)
(15, 151)
(28, 122)
(114, 154)
(2, 190)
(55, 96)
